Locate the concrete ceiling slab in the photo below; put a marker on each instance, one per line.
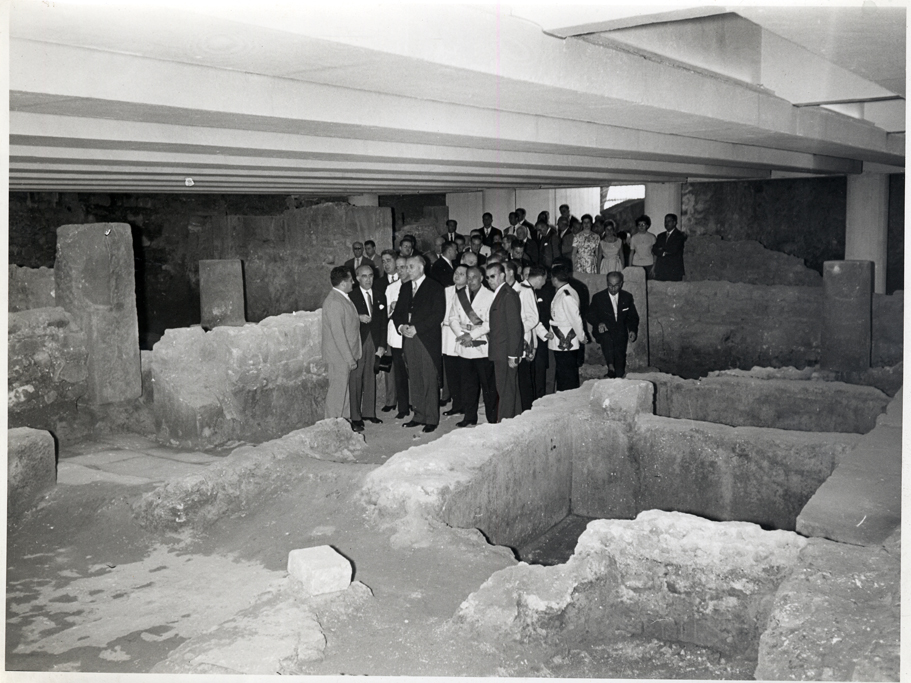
(437, 89)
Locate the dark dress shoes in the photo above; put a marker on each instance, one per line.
(388, 409)
(428, 428)
(453, 412)
(412, 424)
(357, 425)
(374, 420)
(466, 423)
(401, 416)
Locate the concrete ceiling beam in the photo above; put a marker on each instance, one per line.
(122, 86)
(588, 143)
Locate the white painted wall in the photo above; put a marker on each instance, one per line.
(466, 208)
(499, 203)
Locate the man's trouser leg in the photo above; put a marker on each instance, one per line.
(337, 403)
(401, 380)
(567, 370)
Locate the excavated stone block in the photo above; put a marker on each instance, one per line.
(809, 406)
(512, 480)
(221, 292)
(664, 575)
(319, 570)
(30, 288)
(605, 473)
(861, 502)
(95, 283)
(847, 311)
(253, 383)
(837, 617)
(622, 399)
(698, 327)
(755, 474)
(47, 369)
(31, 467)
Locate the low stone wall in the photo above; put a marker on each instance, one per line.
(251, 383)
(806, 406)
(709, 257)
(47, 371)
(695, 327)
(512, 480)
(31, 468)
(245, 477)
(752, 474)
(30, 288)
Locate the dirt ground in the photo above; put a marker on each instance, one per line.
(89, 590)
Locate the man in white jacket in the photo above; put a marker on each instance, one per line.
(469, 319)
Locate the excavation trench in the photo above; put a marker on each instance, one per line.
(686, 525)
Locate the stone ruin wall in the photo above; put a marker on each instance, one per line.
(250, 383)
(287, 258)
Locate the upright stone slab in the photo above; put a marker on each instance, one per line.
(221, 293)
(637, 352)
(846, 339)
(95, 283)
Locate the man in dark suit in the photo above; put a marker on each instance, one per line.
(520, 215)
(668, 251)
(536, 276)
(452, 231)
(353, 264)
(488, 231)
(418, 317)
(505, 341)
(615, 322)
(371, 310)
(443, 268)
(548, 245)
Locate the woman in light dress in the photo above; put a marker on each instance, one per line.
(586, 252)
(611, 249)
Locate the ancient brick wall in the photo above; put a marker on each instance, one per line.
(30, 288)
(709, 257)
(802, 217)
(287, 258)
(48, 373)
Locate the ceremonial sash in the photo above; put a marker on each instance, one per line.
(472, 316)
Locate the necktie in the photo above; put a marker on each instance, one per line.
(369, 303)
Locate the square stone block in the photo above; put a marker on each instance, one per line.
(622, 399)
(221, 293)
(319, 570)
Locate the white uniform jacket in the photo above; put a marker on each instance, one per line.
(529, 312)
(449, 342)
(393, 338)
(459, 322)
(564, 314)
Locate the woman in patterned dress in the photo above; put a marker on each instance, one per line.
(586, 252)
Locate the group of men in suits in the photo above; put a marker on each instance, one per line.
(474, 322)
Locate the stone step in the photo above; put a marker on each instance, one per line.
(860, 503)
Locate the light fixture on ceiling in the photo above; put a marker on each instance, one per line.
(189, 182)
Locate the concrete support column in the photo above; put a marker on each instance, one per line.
(364, 200)
(221, 293)
(845, 340)
(660, 200)
(867, 223)
(637, 352)
(95, 283)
